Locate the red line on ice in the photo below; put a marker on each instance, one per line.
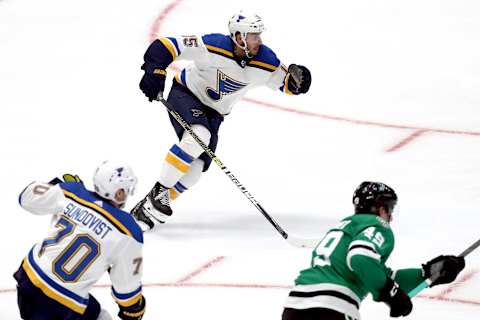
(155, 28)
(407, 140)
(257, 286)
(358, 122)
(459, 283)
(196, 272)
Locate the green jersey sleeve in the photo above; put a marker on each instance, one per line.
(367, 254)
(408, 279)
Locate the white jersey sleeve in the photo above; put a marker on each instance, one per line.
(187, 47)
(126, 273)
(42, 198)
(278, 79)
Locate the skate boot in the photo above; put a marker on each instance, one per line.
(155, 205)
(141, 216)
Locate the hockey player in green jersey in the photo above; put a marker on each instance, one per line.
(349, 262)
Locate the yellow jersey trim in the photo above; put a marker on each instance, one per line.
(219, 50)
(47, 291)
(129, 302)
(100, 210)
(177, 77)
(170, 47)
(263, 64)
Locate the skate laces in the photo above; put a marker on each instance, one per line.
(162, 196)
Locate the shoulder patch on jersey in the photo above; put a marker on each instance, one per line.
(120, 219)
(220, 44)
(266, 60)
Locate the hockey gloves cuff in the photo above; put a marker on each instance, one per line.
(443, 269)
(134, 312)
(398, 301)
(153, 84)
(299, 80)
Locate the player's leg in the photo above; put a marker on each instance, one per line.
(313, 314)
(35, 305)
(188, 180)
(25, 295)
(180, 156)
(177, 164)
(201, 163)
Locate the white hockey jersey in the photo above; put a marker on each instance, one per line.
(215, 77)
(89, 238)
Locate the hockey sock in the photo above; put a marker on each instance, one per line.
(188, 180)
(176, 164)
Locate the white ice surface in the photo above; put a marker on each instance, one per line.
(69, 98)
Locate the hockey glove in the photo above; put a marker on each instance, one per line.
(443, 269)
(153, 84)
(67, 177)
(398, 301)
(299, 80)
(134, 312)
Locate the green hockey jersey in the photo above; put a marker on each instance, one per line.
(347, 264)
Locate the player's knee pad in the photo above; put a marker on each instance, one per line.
(193, 175)
(190, 146)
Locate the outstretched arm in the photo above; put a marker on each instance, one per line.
(42, 198)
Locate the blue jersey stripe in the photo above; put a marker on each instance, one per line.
(218, 40)
(183, 77)
(266, 56)
(20, 195)
(124, 296)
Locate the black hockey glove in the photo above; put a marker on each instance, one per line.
(299, 80)
(153, 84)
(398, 301)
(443, 269)
(134, 312)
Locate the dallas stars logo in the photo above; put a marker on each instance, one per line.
(225, 86)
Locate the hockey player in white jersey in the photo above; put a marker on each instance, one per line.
(224, 68)
(92, 235)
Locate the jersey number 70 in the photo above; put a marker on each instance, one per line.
(77, 255)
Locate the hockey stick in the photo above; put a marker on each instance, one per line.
(428, 282)
(297, 242)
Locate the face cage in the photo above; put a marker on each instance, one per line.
(243, 36)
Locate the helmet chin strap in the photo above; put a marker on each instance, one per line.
(245, 47)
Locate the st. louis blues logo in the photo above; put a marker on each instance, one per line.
(225, 86)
